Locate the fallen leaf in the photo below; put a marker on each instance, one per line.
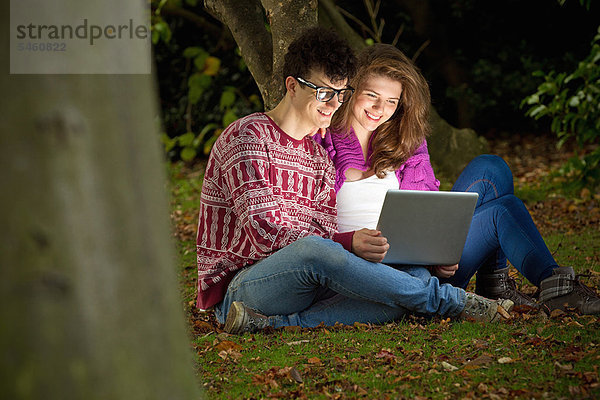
(481, 360)
(295, 375)
(386, 355)
(227, 345)
(230, 354)
(523, 308)
(314, 360)
(503, 312)
(563, 367)
(448, 367)
(360, 391)
(297, 342)
(505, 360)
(360, 325)
(203, 326)
(585, 193)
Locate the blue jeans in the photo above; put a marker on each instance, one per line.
(501, 228)
(315, 280)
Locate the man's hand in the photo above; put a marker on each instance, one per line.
(444, 271)
(370, 245)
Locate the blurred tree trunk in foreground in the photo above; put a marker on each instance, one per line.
(450, 148)
(89, 301)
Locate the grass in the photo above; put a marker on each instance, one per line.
(534, 358)
(531, 356)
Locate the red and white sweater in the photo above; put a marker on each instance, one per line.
(262, 190)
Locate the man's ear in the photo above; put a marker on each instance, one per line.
(291, 85)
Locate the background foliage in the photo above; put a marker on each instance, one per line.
(204, 84)
(479, 58)
(572, 101)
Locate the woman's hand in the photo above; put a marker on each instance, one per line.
(444, 271)
(320, 131)
(370, 245)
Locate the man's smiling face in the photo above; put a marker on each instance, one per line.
(317, 113)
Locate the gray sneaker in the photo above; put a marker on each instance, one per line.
(485, 310)
(564, 290)
(242, 319)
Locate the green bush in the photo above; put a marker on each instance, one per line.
(573, 102)
(204, 83)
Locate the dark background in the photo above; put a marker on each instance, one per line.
(479, 59)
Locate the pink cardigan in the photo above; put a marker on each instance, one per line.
(345, 151)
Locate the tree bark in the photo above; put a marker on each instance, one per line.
(245, 20)
(287, 19)
(450, 148)
(263, 50)
(89, 300)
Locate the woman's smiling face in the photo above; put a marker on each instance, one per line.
(375, 103)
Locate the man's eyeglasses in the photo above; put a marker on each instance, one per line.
(324, 93)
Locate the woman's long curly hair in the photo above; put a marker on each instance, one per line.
(396, 139)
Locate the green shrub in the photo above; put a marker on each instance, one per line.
(573, 102)
(204, 85)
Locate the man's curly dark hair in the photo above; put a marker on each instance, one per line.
(323, 50)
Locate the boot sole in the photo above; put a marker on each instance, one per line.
(234, 322)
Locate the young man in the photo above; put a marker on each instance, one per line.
(267, 237)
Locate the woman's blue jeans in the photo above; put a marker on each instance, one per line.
(315, 280)
(501, 228)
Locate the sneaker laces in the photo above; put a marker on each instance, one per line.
(255, 321)
(478, 306)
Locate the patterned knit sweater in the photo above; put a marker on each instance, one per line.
(345, 151)
(262, 190)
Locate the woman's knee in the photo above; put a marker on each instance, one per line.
(502, 206)
(493, 165)
(511, 202)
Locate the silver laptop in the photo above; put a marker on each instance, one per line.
(426, 228)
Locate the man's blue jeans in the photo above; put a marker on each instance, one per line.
(501, 228)
(315, 280)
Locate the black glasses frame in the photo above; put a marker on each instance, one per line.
(325, 93)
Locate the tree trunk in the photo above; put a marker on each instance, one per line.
(262, 50)
(89, 300)
(451, 149)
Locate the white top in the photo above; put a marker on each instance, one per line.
(359, 202)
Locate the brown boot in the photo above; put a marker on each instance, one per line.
(564, 290)
(497, 284)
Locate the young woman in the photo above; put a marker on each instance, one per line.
(377, 141)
